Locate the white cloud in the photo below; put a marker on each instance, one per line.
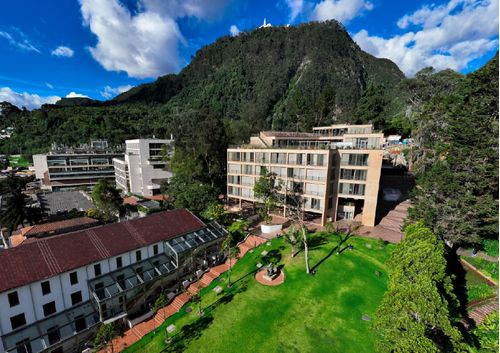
(76, 95)
(63, 51)
(18, 39)
(110, 92)
(49, 85)
(296, 7)
(340, 10)
(447, 36)
(25, 99)
(234, 30)
(143, 43)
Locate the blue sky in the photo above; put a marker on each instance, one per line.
(98, 48)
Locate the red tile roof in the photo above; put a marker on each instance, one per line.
(47, 257)
(60, 225)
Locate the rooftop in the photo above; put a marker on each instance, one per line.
(45, 258)
(62, 201)
(38, 229)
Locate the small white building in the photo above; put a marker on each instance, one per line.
(143, 168)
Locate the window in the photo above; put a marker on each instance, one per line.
(155, 249)
(76, 298)
(45, 287)
(18, 321)
(119, 262)
(13, 299)
(97, 270)
(158, 166)
(80, 323)
(73, 278)
(49, 308)
(53, 335)
(24, 346)
(138, 255)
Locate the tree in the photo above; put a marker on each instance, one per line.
(231, 249)
(105, 336)
(159, 303)
(193, 196)
(414, 315)
(292, 237)
(215, 212)
(456, 162)
(107, 199)
(295, 206)
(15, 209)
(267, 189)
(238, 229)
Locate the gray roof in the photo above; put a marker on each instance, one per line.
(62, 201)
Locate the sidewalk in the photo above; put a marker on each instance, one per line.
(137, 332)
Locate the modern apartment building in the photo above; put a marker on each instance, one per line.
(142, 170)
(336, 169)
(54, 291)
(64, 168)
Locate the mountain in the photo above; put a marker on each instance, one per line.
(278, 77)
(261, 77)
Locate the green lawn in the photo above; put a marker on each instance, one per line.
(18, 161)
(488, 268)
(477, 288)
(321, 313)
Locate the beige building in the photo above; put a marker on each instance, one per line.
(336, 169)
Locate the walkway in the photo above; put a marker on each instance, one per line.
(480, 254)
(389, 228)
(479, 311)
(140, 330)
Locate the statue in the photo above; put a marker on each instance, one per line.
(270, 269)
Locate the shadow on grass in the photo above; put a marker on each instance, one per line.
(188, 333)
(338, 249)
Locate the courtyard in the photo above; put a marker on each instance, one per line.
(330, 311)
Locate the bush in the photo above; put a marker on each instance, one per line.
(491, 246)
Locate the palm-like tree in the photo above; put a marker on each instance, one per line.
(13, 204)
(292, 237)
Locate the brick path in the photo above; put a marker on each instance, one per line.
(479, 311)
(140, 330)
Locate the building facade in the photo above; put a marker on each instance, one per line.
(65, 168)
(55, 291)
(336, 170)
(143, 168)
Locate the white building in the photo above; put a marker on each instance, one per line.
(143, 168)
(55, 291)
(67, 168)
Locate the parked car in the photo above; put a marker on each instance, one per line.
(390, 194)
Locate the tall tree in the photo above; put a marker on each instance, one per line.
(456, 162)
(14, 208)
(107, 199)
(231, 250)
(414, 315)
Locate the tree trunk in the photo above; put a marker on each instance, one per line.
(306, 249)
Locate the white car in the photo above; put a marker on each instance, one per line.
(390, 194)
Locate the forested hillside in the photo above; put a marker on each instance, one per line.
(279, 77)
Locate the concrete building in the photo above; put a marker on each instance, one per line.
(336, 170)
(142, 170)
(66, 168)
(56, 290)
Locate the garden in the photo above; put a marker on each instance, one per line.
(329, 311)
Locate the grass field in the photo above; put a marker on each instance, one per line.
(18, 161)
(488, 268)
(320, 313)
(477, 288)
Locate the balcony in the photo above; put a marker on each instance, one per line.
(49, 332)
(133, 276)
